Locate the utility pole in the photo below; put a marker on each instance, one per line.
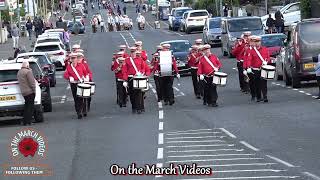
(1, 28)
(266, 4)
(34, 9)
(19, 21)
(221, 8)
(157, 9)
(28, 7)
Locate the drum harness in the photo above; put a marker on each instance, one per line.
(77, 74)
(260, 57)
(210, 63)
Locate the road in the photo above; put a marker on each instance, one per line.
(239, 139)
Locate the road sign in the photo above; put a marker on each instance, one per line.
(12, 4)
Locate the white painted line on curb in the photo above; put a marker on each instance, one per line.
(197, 137)
(228, 133)
(160, 138)
(175, 134)
(160, 126)
(190, 130)
(206, 150)
(301, 91)
(160, 153)
(314, 96)
(249, 146)
(308, 94)
(210, 155)
(205, 145)
(230, 165)
(205, 160)
(295, 89)
(195, 141)
(160, 114)
(280, 161)
(160, 105)
(312, 175)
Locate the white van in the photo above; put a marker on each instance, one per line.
(195, 19)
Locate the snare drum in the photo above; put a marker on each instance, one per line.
(140, 82)
(83, 90)
(268, 72)
(220, 78)
(93, 87)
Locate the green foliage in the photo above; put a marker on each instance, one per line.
(305, 9)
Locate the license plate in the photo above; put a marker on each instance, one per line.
(309, 66)
(7, 98)
(199, 20)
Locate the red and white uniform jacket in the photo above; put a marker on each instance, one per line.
(86, 66)
(205, 68)
(79, 68)
(193, 60)
(254, 60)
(139, 63)
(120, 71)
(246, 55)
(144, 55)
(239, 49)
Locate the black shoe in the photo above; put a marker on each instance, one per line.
(171, 103)
(139, 111)
(266, 100)
(166, 103)
(79, 116)
(204, 103)
(120, 105)
(134, 111)
(85, 114)
(198, 96)
(259, 100)
(214, 105)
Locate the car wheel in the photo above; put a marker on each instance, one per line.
(286, 79)
(296, 82)
(38, 115)
(187, 31)
(277, 76)
(47, 105)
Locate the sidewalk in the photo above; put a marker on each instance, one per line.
(6, 49)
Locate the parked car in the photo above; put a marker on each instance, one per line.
(212, 31)
(55, 51)
(164, 12)
(49, 38)
(233, 28)
(176, 16)
(302, 52)
(274, 43)
(76, 27)
(45, 63)
(291, 14)
(44, 82)
(180, 50)
(194, 20)
(11, 99)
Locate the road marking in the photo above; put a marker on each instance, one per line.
(159, 165)
(59, 76)
(68, 87)
(205, 160)
(205, 145)
(301, 91)
(182, 94)
(250, 170)
(228, 133)
(195, 141)
(154, 91)
(190, 130)
(295, 89)
(160, 105)
(312, 175)
(132, 37)
(125, 40)
(230, 165)
(160, 126)
(280, 161)
(314, 96)
(308, 94)
(206, 150)
(160, 153)
(193, 133)
(249, 146)
(176, 89)
(211, 155)
(254, 177)
(160, 138)
(197, 137)
(80, 42)
(160, 114)
(149, 25)
(63, 99)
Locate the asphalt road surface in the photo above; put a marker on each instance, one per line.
(239, 139)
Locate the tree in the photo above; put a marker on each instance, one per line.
(305, 9)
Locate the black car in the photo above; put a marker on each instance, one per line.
(302, 52)
(76, 27)
(45, 63)
(44, 82)
(180, 50)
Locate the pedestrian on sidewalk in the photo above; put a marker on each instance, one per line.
(27, 85)
(102, 26)
(124, 9)
(66, 39)
(317, 68)
(29, 26)
(15, 33)
(270, 24)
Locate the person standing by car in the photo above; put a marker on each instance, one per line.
(29, 27)
(27, 85)
(124, 9)
(270, 24)
(317, 68)
(15, 36)
(279, 22)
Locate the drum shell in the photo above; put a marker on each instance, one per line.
(84, 91)
(140, 83)
(93, 87)
(220, 79)
(268, 73)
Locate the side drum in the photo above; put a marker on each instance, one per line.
(84, 90)
(268, 72)
(141, 82)
(93, 87)
(220, 79)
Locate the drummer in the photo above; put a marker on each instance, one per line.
(208, 65)
(254, 64)
(121, 80)
(167, 81)
(136, 66)
(198, 42)
(76, 73)
(123, 49)
(193, 62)
(75, 47)
(113, 67)
(155, 69)
(144, 54)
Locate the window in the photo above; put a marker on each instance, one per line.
(293, 8)
(42, 60)
(185, 16)
(180, 46)
(197, 14)
(215, 23)
(35, 69)
(272, 41)
(47, 48)
(179, 13)
(8, 75)
(245, 25)
(309, 32)
(47, 40)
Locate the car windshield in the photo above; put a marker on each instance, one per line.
(35, 69)
(180, 46)
(179, 13)
(47, 40)
(42, 60)
(309, 32)
(240, 25)
(215, 23)
(272, 41)
(47, 48)
(8, 75)
(196, 14)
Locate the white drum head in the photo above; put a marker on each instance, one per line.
(221, 74)
(268, 67)
(82, 85)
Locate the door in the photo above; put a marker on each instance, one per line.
(292, 15)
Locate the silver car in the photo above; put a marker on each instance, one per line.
(212, 31)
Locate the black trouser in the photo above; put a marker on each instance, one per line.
(78, 101)
(260, 85)
(28, 108)
(136, 97)
(210, 91)
(157, 81)
(167, 89)
(195, 82)
(110, 27)
(251, 85)
(242, 82)
(122, 93)
(318, 81)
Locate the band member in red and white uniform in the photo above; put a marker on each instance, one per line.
(123, 49)
(167, 81)
(258, 57)
(120, 71)
(144, 54)
(155, 69)
(113, 67)
(239, 51)
(198, 42)
(136, 66)
(76, 73)
(209, 64)
(193, 61)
